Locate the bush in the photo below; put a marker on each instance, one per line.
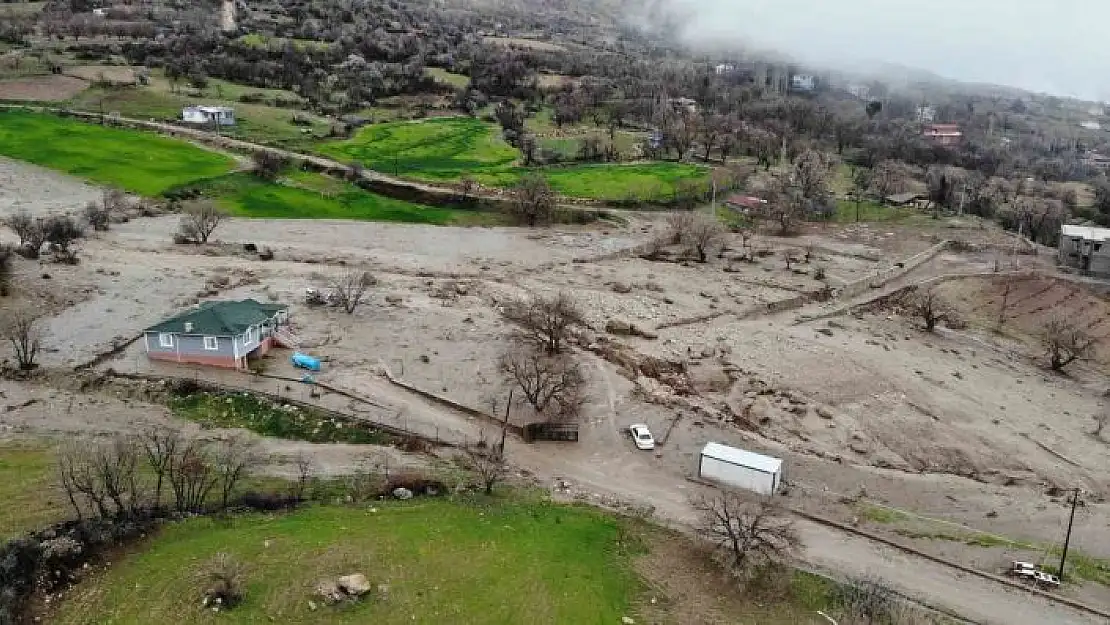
(225, 582)
(7, 253)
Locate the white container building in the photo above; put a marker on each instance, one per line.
(740, 468)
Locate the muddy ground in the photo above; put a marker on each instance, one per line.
(961, 425)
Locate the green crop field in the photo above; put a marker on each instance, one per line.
(443, 561)
(436, 149)
(443, 150)
(136, 161)
(306, 195)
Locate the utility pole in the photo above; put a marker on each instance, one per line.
(1067, 537)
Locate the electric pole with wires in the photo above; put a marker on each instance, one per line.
(1067, 537)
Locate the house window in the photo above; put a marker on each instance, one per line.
(165, 340)
(1098, 247)
(211, 343)
(248, 336)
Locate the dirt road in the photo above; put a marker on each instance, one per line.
(631, 476)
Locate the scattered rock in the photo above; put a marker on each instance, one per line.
(825, 331)
(402, 493)
(394, 299)
(621, 287)
(330, 592)
(621, 327)
(825, 412)
(354, 585)
(760, 410)
(627, 620)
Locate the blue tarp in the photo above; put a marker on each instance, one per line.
(304, 361)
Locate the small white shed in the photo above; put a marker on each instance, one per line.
(222, 115)
(740, 468)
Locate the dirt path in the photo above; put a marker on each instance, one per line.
(630, 476)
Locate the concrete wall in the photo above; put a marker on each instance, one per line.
(1092, 257)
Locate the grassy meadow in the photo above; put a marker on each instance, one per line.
(443, 150)
(27, 489)
(443, 561)
(139, 162)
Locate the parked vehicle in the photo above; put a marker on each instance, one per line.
(1045, 580)
(1025, 570)
(642, 436)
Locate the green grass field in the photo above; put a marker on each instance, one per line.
(871, 211)
(27, 489)
(136, 161)
(306, 195)
(459, 81)
(444, 562)
(442, 150)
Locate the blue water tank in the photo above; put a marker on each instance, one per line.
(305, 361)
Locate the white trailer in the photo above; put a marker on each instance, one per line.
(743, 469)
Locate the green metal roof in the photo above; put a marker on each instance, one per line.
(220, 318)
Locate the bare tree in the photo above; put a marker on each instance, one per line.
(6, 256)
(349, 288)
(748, 532)
(931, 308)
(545, 320)
(22, 224)
(161, 446)
(552, 384)
(192, 476)
(466, 187)
(199, 220)
(232, 460)
(487, 461)
(20, 327)
(1065, 343)
(102, 478)
(701, 233)
(305, 466)
(533, 202)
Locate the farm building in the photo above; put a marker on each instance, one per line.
(222, 115)
(220, 334)
(1085, 248)
(740, 468)
(907, 199)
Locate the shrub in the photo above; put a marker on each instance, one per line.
(225, 578)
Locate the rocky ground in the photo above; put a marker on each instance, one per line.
(960, 425)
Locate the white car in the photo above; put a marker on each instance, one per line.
(1023, 569)
(1046, 580)
(641, 436)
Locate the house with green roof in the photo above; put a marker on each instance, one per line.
(220, 334)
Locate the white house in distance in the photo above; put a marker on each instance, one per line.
(222, 115)
(1085, 248)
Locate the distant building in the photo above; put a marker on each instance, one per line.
(745, 203)
(803, 83)
(1096, 160)
(926, 114)
(100, 12)
(689, 105)
(862, 92)
(1091, 125)
(1086, 249)
(943, 134)
(221, 115)
(724, 69)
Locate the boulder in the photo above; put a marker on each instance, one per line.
(621, 287)
(394, 299)
(402, 493)
(354, 585)
(760, 410)
(825, 412)
(619, 327)
(330, 592)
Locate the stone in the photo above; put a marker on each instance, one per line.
(330, 592)
(394, 299)
(825, 412)
(354, 585)
(619, 327)
(402, 493)
(627, 620)
(760, 410)
(621, 287)
(825, 331)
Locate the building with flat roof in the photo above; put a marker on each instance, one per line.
(1085, 248)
